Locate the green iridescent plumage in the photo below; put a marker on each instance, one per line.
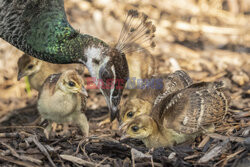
(40, 28)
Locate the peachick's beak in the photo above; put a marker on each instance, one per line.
(123, 126)
(20, 75)
(125, 136)
(83, 91)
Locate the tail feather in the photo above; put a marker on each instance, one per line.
(136, 29)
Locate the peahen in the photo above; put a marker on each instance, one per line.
(40, 28)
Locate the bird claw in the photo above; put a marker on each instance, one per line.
(65, 131)
(85, 134)
(47, 133)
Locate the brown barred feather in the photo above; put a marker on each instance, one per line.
(193, 108)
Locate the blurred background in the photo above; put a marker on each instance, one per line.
(210, 39)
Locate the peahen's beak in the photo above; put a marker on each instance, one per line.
(113, 110)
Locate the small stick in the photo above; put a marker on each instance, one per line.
(20, 127)
(77, 160)
(231, 138)
(229, 157)
(152, 161)
(12, 160)
(43, 150)
(9, 135)
(215, 152)
(102, 161)
(84, 151)
(204, 142)
(21, 157)
(133, 159)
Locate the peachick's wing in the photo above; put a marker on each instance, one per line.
(191, 109)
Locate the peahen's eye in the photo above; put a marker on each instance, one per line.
(30, 67)
(135, 128)
(130, 114)
(106, 74)
(71, 84)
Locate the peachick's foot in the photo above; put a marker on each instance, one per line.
(65, 131)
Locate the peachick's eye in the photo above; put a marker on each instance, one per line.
(71, 83)
(130, 114)
(135, 128)
(30, 66)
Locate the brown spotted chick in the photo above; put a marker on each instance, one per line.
(181, 116)
(144, 100)
(38, 70)
(63, 100)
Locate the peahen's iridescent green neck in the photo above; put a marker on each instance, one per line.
(41, 29)
(73, 50)
(51, 32)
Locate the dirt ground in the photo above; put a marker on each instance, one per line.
(208, 39)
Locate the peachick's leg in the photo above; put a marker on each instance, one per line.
(82, 122)
(48, 129)
(65, 130)
(54, 126)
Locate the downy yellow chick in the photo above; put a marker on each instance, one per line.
(38, 70)
(63, 100)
